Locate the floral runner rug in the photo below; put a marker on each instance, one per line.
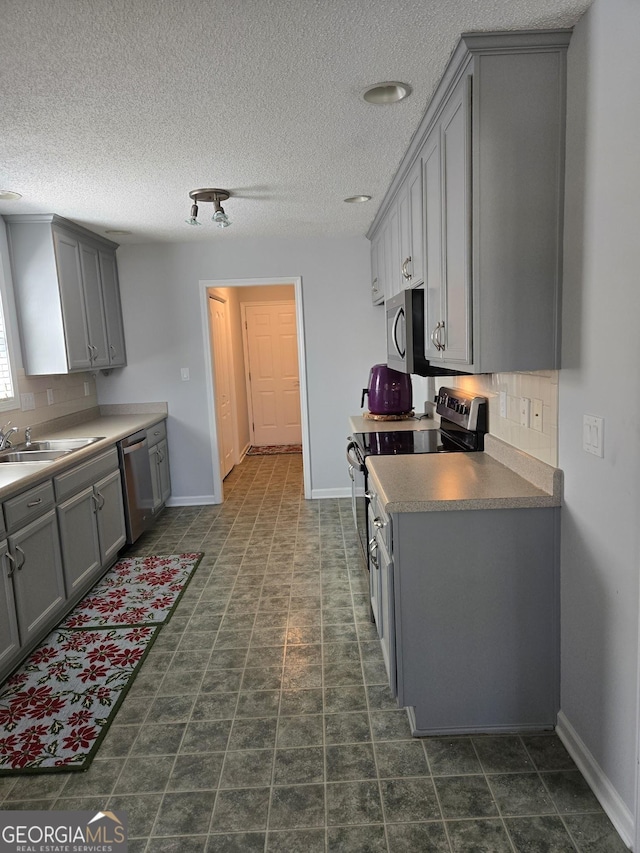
(136, 591)
(56, 708)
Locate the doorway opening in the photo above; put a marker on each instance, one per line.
(256, 377)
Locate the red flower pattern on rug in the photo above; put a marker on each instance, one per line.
(55, 708)
(136, 591)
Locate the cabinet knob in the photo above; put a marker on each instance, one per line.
(406, 274)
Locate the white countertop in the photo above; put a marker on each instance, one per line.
(16, 476)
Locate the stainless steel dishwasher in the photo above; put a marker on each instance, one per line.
(136, 484)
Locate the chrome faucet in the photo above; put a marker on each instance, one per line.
(5, 434)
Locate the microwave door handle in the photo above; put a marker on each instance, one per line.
(401, 352)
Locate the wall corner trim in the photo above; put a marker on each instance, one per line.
(617, 810)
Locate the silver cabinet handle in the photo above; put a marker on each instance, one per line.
(113, 349)
(99, 498)
(373, 547)
(435, 336)
(351, 472)
(374, 285)
(37, 502)
(12, 567)
(369, 495)
(405, 263)
(22, 554)
(378, 522)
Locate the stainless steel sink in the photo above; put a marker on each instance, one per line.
(32, 455)
(65, 444)
(47, 450)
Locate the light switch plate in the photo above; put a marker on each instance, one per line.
(593, 435)
(27, 401)
(50, 397)
(525, 411)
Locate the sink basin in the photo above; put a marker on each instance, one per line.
(55, 444)
(32, 455)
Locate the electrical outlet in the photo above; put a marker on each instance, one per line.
(27, 401)
(87, 389)
(525, 411)
(184, 374)
(50, 397)
(503, 404)
(536, 415)
(593, 435)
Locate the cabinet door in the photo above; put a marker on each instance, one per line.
(38, 579)
(388, 623)
(456, 217)
(67, 251)
(96, 326)
(164, 478)
(9, 638)
(79, 539)
(433, 301)
(411, 225)
(112, 309)
(110, 516)
(393, 262)
(377, 292)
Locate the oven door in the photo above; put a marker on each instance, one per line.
(358, 476)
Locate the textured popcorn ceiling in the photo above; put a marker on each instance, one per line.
(111, 111)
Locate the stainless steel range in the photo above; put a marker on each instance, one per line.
(463, 424)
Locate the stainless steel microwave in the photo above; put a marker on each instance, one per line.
(405, 332)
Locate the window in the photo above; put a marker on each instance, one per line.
(8, 383)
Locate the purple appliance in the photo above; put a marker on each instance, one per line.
(389, 391)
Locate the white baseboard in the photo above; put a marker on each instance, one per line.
(331, 493)
(617, 810)
(192, 500)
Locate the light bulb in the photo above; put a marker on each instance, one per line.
(193, 219)
(221, 219)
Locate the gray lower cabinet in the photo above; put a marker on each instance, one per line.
(467, 611)
(9, 637)
(67, 295)
(159, 461)
(91, 519)
(38, 579)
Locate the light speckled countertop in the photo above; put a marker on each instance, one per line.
(501, 477)
(15, 477)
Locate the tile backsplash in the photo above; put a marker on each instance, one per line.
(67, 393)
(539, 386)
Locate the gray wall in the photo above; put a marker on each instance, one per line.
(601, 352)
(344, 336)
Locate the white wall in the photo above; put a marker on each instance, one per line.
(344, 336)
(601, 359)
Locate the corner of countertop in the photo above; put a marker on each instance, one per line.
(135, 409)
(540, 474)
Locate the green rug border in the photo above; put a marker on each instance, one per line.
(140, 624)
(156, 627)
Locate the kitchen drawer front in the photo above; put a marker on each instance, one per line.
(73, 481)
(29, 505)
(156, 433)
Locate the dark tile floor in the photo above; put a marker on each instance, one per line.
(260, 720)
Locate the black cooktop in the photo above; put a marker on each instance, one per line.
(449, 439)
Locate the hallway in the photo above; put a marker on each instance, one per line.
(261, 720)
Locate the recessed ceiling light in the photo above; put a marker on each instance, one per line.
(117, 233)
(387, 93)
(9, 195)
(357, 199)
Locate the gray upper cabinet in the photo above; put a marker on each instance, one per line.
(411, 229)
(67, 295)
(492, 150)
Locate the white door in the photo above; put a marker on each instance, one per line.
(218, 327)
(273, 379)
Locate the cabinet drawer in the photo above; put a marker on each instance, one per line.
(156, 433)
(83, 475)
(24, 508)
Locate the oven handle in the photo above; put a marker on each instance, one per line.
(355, 463)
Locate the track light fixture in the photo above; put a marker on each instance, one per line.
(216, 197)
